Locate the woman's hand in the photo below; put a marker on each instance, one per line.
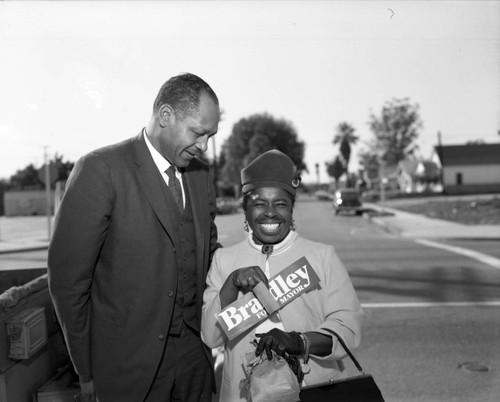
(292, 343)
(280, 342)
(245, 279)
(242, 280)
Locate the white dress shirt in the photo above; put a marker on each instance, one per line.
(162, 164)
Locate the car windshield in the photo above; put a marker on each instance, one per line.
(348, 195)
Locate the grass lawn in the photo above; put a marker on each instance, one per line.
(469, 211)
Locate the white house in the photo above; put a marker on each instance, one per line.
(470, 168)
(416, 176)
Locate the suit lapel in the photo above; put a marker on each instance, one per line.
(152, 185)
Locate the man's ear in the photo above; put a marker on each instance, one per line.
(165, 114)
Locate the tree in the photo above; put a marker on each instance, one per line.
(475, 142)
(28, 178)
(63, 168)
(395, 130)
(253, 135)
(335, 170)
(4, 186)
(370, 163)
(344, 136)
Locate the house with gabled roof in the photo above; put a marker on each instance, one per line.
(417, 176)
(469, 168)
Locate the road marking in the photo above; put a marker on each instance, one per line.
(484, 258)
(432, 304)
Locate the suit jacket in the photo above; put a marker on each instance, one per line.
(112, 264)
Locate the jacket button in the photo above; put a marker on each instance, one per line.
(161, 337)
(171, 293)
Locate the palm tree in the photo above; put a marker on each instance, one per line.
(344, 136)
(335, 169)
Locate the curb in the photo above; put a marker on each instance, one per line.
(20, 249)
(381, 222)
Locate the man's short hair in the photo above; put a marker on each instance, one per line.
(182, 93)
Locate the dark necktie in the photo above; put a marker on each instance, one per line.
(175, 186)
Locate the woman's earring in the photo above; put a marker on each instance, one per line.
(245, 225)
(293, 226)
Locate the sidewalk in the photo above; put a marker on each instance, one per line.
(21, 233)
(418, 226)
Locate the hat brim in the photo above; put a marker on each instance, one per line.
(268, 183)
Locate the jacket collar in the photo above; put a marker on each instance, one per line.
(152, 184)
(278, 248)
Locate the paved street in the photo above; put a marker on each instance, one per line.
(431, 322)
(431, 331)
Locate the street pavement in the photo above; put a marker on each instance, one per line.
(32, 232)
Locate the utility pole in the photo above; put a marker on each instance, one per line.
(47, 189)
(317, 176)
(382, 179)
(440, 155)
(382, 188)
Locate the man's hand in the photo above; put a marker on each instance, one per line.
(88, 392)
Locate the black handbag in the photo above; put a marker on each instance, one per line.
(361, 388)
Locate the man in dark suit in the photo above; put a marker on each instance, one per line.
(130, 252)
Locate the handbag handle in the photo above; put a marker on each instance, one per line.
(358, 366)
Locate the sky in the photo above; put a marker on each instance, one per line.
(79, 75)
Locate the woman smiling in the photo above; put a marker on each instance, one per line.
(303, 328)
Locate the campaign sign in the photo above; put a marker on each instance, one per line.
(256, 306)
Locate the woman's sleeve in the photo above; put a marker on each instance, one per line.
(211, 332)
(343, 312)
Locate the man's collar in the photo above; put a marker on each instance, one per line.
(161, 163)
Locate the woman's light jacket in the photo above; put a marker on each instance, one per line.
(332, 305)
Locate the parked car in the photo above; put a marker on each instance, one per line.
(347, 200)
(323, 195)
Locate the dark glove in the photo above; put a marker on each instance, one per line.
(280, 342)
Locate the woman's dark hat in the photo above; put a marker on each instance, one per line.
(271, 169)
